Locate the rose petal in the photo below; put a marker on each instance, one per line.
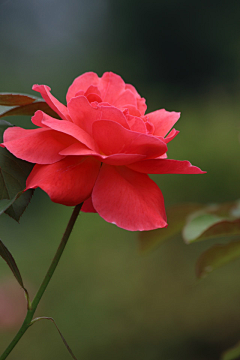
(126, 97)
(78, 149)
(39, 146)
(59, 108)
(136, 124)
(94, 98)
(82, 83)
(82, 113)
(93, 90)
(141, 102)
(112, 138)
(88, 206)
(128, 199)
(65, 127)
(68, 182)
(163, 121)
(132, 110)
(111, 86)
(120, 159)
(113, 114)
(165, 166)
(173, 133)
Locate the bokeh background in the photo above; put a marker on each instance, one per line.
(109, 300)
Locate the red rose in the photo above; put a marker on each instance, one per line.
(101, 151)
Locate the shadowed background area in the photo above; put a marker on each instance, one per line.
(109, 300)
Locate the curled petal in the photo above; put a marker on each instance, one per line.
(59, 108)
(82, 113)
(165, 166)
(136, 124)
(128, 199)
(65, 127)
(112, 138)
(113, 114)
(68, 182)
(163, 121)
(131, 110)
(41, 146)
(93, 90)
(82, 83)
(94, 98)
(173, 133)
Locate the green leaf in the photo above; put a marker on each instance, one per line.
(232, 353)
(12, 99)
(7, 256)
(213, 221)
(176, 215)
(29, 110)
(13, 175)
(217, 256)
(197, 225)
(5, 203)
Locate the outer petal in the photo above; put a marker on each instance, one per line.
(165, 166)
(39, 146)
(163, 121)
(58, 107)
(173, 133)
(82, 83)
(112, 138)
(88, 206)
(68, 182)
(65, 127)
(128, 199)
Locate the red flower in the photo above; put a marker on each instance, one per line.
(101, 151)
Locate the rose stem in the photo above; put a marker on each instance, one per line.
(33, 306)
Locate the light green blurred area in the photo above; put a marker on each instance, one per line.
(109, 300)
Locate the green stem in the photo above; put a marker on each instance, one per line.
(33, 306)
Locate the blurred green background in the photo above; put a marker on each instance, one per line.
(110, 301)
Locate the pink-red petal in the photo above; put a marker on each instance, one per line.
(165, 166)
(65, 127)
(163, 121)
(41, 146)
(82, 113)
(173, 133)
(111, 86)
(112, 138)
(82, 83)
(68, 182)
(58, 107)
(128, 199)
(136, 124)
(88, 206)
